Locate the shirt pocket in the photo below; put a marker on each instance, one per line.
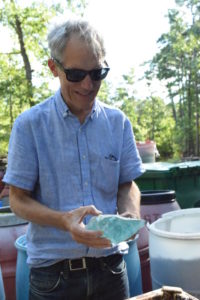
(107, 177)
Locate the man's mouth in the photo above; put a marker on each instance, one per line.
(84, 94)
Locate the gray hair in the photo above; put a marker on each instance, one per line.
(59, 36)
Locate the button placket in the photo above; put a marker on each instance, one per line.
(85, 167)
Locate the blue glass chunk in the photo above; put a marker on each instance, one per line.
(114, 227)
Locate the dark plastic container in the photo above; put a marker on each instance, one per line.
(1, 182)
(2, 293)
(153, 205)
(183, 178)
(11, 227)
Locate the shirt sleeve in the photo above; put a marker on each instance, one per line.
(22, 168)
(130, 161)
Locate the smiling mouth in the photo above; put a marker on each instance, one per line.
(84, 95)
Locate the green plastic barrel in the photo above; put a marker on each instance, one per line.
(11, 227)
(183, 178)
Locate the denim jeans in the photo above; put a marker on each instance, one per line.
(102, 279)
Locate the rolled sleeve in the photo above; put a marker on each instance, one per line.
(22, 169)
(130, 162)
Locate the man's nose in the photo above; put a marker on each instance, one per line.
(87, 83)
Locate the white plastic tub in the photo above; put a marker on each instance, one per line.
(174, 249)
(182, 212)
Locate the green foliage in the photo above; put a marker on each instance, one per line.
(156, 123)
(124, 98)
(77, 6)
(104, 93)
(151, 118)
(174, 126)
(177, 63)
(24, 73)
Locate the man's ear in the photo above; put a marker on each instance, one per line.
(53, 67)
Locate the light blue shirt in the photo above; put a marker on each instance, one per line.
(67, 165)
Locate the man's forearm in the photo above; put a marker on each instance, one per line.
(128, 200)
(28, 208)
(23, 205)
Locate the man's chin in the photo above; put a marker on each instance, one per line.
(86, 100)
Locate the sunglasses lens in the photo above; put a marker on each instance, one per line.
(75, 75)
(99, 74)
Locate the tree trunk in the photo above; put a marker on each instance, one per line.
(11, 112)
(27, 65)
(197, 116)
(189, 122)
(173, 104)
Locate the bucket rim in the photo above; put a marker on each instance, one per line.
(183, 211)
(18, 243)
(9, 219)
(161, 196)
(171, 235)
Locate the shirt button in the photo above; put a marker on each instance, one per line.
(86, 183)
(84, 156)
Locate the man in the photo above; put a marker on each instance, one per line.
(71, 157)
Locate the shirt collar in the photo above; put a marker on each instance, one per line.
(62, 106)
(64, 109)
(94, 110)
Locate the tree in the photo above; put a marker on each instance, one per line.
(124, 98)
(151, 118)
(156, 123)
(104, 92)
(77, 6)
(177, 63)
(24, 79)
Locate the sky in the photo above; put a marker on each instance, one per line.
(130, 29)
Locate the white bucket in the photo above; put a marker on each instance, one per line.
(174, 250)
(148, 151)
(181, 212)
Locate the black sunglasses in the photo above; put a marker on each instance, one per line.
(77, 75)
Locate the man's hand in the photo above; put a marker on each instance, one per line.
(74, 224)
(30, 209)
(129, 215)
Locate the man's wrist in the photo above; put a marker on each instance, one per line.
(130, 215)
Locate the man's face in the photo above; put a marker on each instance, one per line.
(79, 96)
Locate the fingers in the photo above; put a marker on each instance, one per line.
(98, 242)
(78, 231)
(82, 211)
(90, 238)
(89, 210)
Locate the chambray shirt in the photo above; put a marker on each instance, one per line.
(66, 165)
